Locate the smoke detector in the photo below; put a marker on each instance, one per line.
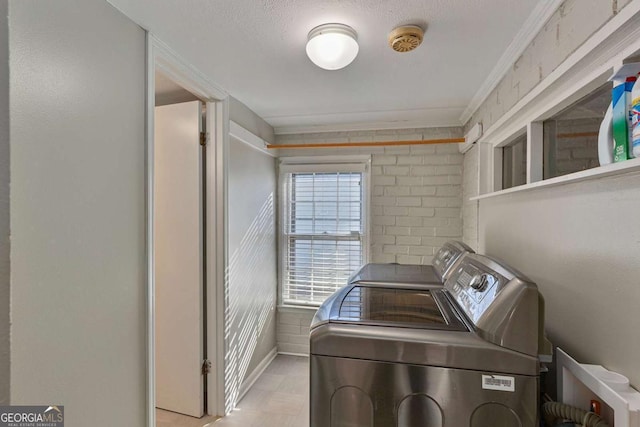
(406, 38)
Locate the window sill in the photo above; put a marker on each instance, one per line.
(297, 308)
(612, 169)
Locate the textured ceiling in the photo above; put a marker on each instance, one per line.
(255, 49)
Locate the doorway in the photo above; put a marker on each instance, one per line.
(185, 123)
(180, 274)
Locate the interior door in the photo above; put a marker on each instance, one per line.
(178, 259)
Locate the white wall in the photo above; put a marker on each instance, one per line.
(416, 201)
(577, 241)
(78, 210)
(252, 281)
(293, 329)
(470, 188)
(4, 205)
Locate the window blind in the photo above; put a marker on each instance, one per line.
(323, 232)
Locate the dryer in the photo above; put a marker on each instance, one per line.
(444, 262)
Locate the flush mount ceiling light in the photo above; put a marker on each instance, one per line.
(332, 46)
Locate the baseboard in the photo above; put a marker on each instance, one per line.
(286, 353)
(253, 376)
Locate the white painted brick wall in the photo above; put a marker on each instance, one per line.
(420, 204)
(416, 191)
(293, 329)
(416, 201)
(576, 154)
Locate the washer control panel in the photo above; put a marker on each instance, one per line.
(446, 256)
(474, 286)
(503, 305)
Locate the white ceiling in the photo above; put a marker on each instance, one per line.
(255, 50)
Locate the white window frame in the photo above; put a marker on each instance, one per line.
(359, 163)
(499, 155)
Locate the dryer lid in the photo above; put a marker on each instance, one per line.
(396, 274)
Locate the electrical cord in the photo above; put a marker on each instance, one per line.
(571, 413)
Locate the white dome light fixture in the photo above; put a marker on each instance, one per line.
(332, 46)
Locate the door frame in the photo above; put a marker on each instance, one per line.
(161, 57)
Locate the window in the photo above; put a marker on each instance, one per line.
(514, 163)
(571, 136)
(324, 237)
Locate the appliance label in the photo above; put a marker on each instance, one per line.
(498, 382)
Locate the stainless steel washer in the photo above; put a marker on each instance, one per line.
(444, 263)
(465, 354)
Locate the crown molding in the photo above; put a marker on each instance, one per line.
(531, 27)
(366, 121)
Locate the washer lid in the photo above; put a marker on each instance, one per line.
(391, 306)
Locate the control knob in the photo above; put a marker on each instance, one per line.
(479, 282)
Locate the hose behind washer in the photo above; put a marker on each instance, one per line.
(576, 415)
